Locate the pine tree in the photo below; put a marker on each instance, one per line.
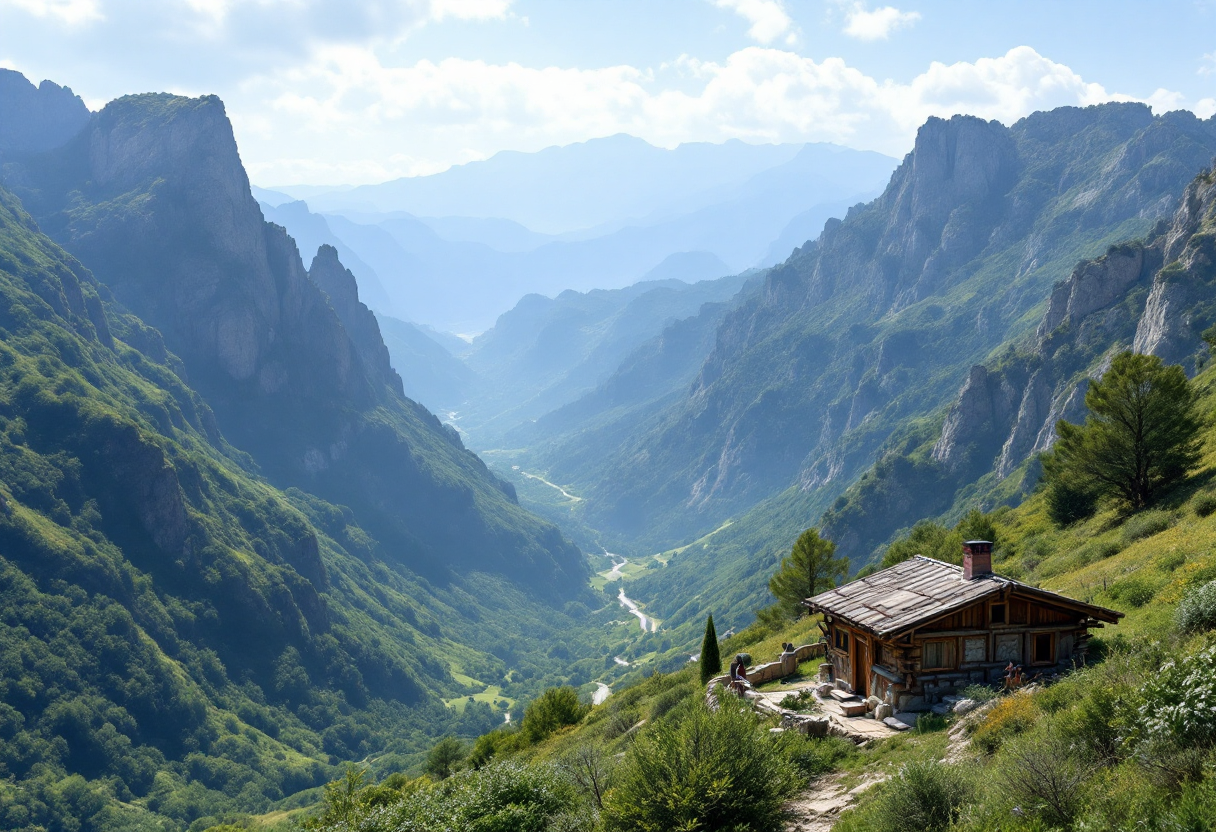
(711, 659)
(1142, 437)
(807, 570)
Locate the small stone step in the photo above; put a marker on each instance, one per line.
(842, 695)
(853, 708)
(892, 722)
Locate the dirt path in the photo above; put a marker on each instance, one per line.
(818, 808)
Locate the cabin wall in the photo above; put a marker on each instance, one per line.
(970, 646)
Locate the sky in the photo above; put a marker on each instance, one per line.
(329, 92)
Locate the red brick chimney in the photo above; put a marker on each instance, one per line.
(977, 559)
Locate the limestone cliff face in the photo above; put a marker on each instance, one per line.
(339, 285)
(879, 320)
(1123, 300)
(153, 198)
(36, 119)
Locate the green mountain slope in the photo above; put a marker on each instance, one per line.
(875, 324)
(152, 197)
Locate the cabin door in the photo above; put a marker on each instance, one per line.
(861, 667)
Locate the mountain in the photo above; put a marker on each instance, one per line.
(152, 197)
(547, 352)
(874, 325)
(702, 211)
(37, 118)
(311, 231)
(567, 188)
(430, 373)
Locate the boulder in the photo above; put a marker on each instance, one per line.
(965, 706)
(882, 712)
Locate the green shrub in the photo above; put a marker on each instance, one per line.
(620, 721)
(980, 693)
(803, 700)
(1093, 552)
(503, 797)
(556, 708)
(813, 756)
(667, 700)
(712, 770)
(927, 723)
(1197, 610)
(925, 796)
(1179, 702)
(1146, 524)
(1204, 504)
(1069, 501)
(1134, 590)
(1045, 775)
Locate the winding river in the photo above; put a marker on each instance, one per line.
(649, 625)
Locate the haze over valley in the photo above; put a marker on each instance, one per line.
(406, 410)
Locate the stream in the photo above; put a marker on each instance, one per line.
(627, 602)
(602, 692)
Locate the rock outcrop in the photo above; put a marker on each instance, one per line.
(339, 285)
(36, 119)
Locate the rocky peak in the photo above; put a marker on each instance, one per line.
(339, 284)
(36, 119)
(954, 162)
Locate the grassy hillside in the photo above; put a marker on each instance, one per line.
(181, 640)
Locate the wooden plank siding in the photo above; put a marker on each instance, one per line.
(911, 663)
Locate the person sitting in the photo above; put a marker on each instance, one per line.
(738, 676)
(1013, 676)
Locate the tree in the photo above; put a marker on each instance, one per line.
(556, 708)
(711, 658)
(1141, 437)
(445, 757)
(807, 570)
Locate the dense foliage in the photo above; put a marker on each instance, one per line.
(716, 769)
(809, 569)
(1141, 436)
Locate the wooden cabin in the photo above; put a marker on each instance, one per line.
(923, 629)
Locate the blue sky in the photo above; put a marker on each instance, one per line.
(333, 91)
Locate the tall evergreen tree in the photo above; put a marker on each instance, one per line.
(711, 658)
(1141, 437)
(807, 570)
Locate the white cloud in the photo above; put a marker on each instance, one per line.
(348, 116)
(470, 9)
(71, 12)
(1207, 64)
(1205, 107)
(878, 24)
(768, 18)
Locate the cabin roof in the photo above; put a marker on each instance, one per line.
(899, 598)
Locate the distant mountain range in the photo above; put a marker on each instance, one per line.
(457, 249)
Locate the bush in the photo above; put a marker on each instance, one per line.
(1134, 590)
(925, 796)
(1179, 702)
(980, 693)
(667, 700)
(556, 708)
(503, 797)
(713, 770)
(1146, 524)
(1197, 610)
(619, 723)
(813, 757)
(1204, 504)
(1011, 716)
(1045, 776)
(1070, 502)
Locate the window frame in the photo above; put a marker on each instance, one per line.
(949, 652)
(840, 639)
(1034, 649)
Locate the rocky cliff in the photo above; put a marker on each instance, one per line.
(152, 196)
(878, 321)
(340, 287)
(35, 119)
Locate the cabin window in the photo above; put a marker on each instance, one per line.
(998, 613)
(1044, 648)
(842, 640)
(939, 655)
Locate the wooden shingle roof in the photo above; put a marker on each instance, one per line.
(921, 589)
